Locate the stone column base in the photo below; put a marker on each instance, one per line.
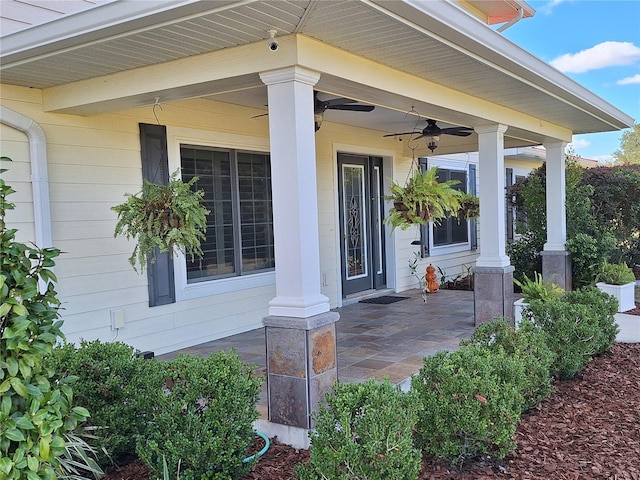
(556, 266)
(301, 365)
(493, 293)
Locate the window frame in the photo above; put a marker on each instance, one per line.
(177, 137)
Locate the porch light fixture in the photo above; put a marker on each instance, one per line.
(431, 135)
(432, 142)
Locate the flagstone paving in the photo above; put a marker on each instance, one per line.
(373, 340)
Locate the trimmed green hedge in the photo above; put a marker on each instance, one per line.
(364, 432)
(471, 401)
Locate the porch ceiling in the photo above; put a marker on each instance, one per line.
(434, 41)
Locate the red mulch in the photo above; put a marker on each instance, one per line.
(588, 428)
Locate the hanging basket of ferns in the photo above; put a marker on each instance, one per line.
(469, 207)
(165, 217)
(422, 199)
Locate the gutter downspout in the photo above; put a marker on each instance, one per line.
(39, 176)
(513, 21)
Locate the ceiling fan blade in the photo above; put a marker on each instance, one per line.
(353, 108)
(457, 131)
(398, 134)
(332, 102)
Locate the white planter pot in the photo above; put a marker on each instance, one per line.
(518, 305)
(623, 293)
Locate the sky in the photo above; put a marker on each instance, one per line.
(595, 43)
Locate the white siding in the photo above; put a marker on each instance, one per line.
(93, 161)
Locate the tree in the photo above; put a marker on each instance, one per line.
(629, 152)
(590, 239)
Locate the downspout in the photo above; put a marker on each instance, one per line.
(39, 177)
(513, 21)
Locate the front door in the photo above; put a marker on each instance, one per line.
(362, 241)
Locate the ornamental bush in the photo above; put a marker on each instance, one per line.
(35, 410)
(203, 416)
(603, 308)
(117, 386)
(471, 402)
(528, 344)
(364, 432)
(577, 326)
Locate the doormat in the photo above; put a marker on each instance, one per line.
(383, 300)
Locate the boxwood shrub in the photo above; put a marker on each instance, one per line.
(365, 431)
(471, 403)
(202, 420)
(116, 386)
(603, 308)
(528, 343)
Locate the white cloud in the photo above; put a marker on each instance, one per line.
(629, 80)
(548, 7)
(580, 143)
(605, 54)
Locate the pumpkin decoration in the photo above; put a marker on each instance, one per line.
(430, 277)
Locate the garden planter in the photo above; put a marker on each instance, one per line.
(623, 293)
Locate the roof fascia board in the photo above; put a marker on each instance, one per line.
(100, 23)
(462, 31)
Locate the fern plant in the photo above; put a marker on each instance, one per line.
(163, 217)
(538, 289)
(422, 199)
(469, 207)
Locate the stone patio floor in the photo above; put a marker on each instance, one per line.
(373, 340)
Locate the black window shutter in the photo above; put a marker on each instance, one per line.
(155, 168)
(424, 229)
(473, 229)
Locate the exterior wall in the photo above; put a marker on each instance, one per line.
(15, 145)
(93, 161)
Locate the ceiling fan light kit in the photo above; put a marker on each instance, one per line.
(432, 133)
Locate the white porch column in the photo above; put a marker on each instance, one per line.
(493, 274)
(295, 198)
(556, 197)
(492, 196)
(300, 330)
(556, 261)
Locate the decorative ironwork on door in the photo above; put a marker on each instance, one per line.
(355, 225)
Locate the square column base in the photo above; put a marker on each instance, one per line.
(556, 266)
(301, 366)
(493, 293)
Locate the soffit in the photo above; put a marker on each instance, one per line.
(426, 47)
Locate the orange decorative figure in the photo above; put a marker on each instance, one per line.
(432, 283)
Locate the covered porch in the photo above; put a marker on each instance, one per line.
(373, 340)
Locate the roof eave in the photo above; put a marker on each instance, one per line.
(492, 48)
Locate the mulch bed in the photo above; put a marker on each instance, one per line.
(588, 428)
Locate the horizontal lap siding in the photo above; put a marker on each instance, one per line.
(14, 144)
(92, 162)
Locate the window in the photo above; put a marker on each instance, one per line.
(237, 188)
(450, 235)
(450, 230)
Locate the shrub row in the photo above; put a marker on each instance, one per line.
(194, 413)
(462, 404)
